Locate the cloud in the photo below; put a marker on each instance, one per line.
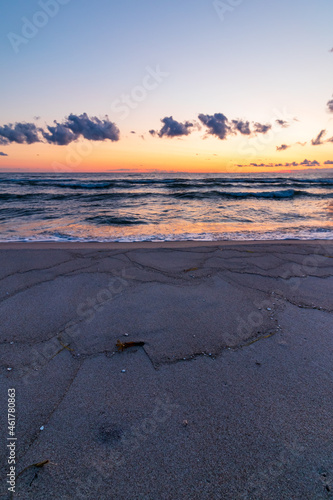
(282, 123)
(283, 147)
(256, 165)
(242, 127)
(318, 140)
(260, 128)
(172, 128)
(293, 164)
(3, 154)
(331, 50)
(70, 130)
(93, 128)
(330, 105)
(328, 162)
(330, 140)
(308, 163)
(217, 125)
(21, 133)
(59, 134)
(301, 143)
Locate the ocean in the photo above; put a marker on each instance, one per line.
(165, 207)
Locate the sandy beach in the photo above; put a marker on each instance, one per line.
(225, 394)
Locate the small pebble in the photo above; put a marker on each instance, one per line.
(269, 309)
(41, 428)
(185, 423)
(9, 369)
(123, 371)
(126, 334)
(12, 342)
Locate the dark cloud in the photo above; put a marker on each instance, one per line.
(22, 133)
(293, 164)
(172, 128)
(217, 125)
(330, 105)
(282, 123)
(260, 128)
(60, 134)
(242, 127)
(330, 140)
(318, 140)
(283, 147)
(256, 165)
(308, 163)
(3, 154)
(328, 162)
(93, 128)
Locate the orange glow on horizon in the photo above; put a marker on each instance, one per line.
(135, 154)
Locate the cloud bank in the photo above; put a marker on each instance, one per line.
(219, 126)
(21, 133)
(308, 163)
(73, 128)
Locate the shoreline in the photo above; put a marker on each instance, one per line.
(113, 245)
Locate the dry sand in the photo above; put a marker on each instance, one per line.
(230, 397)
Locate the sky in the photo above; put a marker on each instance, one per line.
(183, 85)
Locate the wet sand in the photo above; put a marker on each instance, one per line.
(228, 396)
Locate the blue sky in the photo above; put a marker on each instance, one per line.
(263, 55)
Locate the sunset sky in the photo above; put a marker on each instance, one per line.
(241, 85)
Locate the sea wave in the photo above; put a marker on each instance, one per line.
(114, 221)
(169, 183)
(284, 194)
